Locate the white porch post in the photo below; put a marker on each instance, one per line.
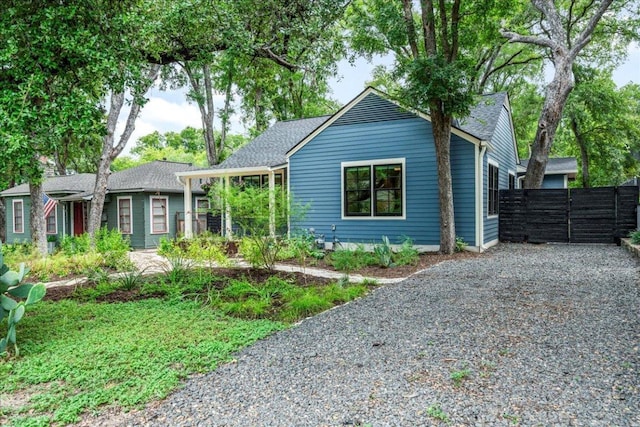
(188, 203)
(228, 229)
(272, 203)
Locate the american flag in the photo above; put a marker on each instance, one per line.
(49, 205)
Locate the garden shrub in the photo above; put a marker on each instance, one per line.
(635, 237)
(407, 254)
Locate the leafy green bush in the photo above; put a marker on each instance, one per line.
(349, 260)
(635, 237)
(260, 214)
(460, 244)
(407, 254)
(72, 245)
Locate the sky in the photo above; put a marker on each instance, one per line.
(170, 111)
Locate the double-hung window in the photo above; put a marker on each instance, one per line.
(51, 222)
(373, 189)
(18, 216)
(125, 224)
(492, 190)
(159, 214)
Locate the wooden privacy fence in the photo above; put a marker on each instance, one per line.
(580, 215)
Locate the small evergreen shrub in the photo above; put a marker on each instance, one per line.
(635, 237)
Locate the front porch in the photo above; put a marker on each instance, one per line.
(263, 177)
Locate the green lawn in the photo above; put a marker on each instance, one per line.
(77, 357)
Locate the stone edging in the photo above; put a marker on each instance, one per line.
(634, 249)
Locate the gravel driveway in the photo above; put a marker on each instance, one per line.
(535, 335)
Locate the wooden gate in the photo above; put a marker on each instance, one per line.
(581, 215)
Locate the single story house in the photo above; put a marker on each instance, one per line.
(144, 203)
(559, 171)
(370, 170)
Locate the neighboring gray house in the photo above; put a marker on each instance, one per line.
(369, 170)
(144, 203)
(559, 171)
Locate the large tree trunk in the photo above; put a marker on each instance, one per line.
(557, 93)
(441, 125)
(556, 39)
(584, 153)
(203, 94)
(110, 152)
(38, 226)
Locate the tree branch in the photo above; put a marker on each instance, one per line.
(585, 35)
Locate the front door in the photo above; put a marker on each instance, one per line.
(78, 218)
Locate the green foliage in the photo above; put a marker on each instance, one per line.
(95, 355)
(260, 214)
(436, 412)
(72, 245)
(349, 260)
(459, 375)
(460, 244)
(384, 253)
(635, 237)
(407, 254)
(601, 128)
(15, 296)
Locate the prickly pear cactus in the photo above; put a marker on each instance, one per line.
(15, 296)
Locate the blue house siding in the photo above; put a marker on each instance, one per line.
(463, 174)
(502, 152)
(316, 179)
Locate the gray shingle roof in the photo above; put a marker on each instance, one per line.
(150, 177)
(556, 165)
(483, 118)
(68, 184)
(270, 147)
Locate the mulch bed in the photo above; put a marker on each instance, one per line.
(426, 260)
(260, 276)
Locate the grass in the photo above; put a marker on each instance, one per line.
(78, 357)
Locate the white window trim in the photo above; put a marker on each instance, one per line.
(491, 162)
(198, 199)
(166, 215)
(375, 162)
(13, 214)
(54, 212)
(130, 213)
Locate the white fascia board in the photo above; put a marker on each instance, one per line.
(462, 134)
(216, 173)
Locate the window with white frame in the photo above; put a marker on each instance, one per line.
(51, 222)
(512, 181)
(125, 222)
(159, 214)
(202, 207)
(373, 189)
(18, 216)
(492, 190)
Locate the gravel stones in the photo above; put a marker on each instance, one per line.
(540, 334)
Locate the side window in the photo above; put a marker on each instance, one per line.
(492, 190)
(159, 215)
(18, 216)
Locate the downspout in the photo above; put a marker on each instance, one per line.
(479, 195)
